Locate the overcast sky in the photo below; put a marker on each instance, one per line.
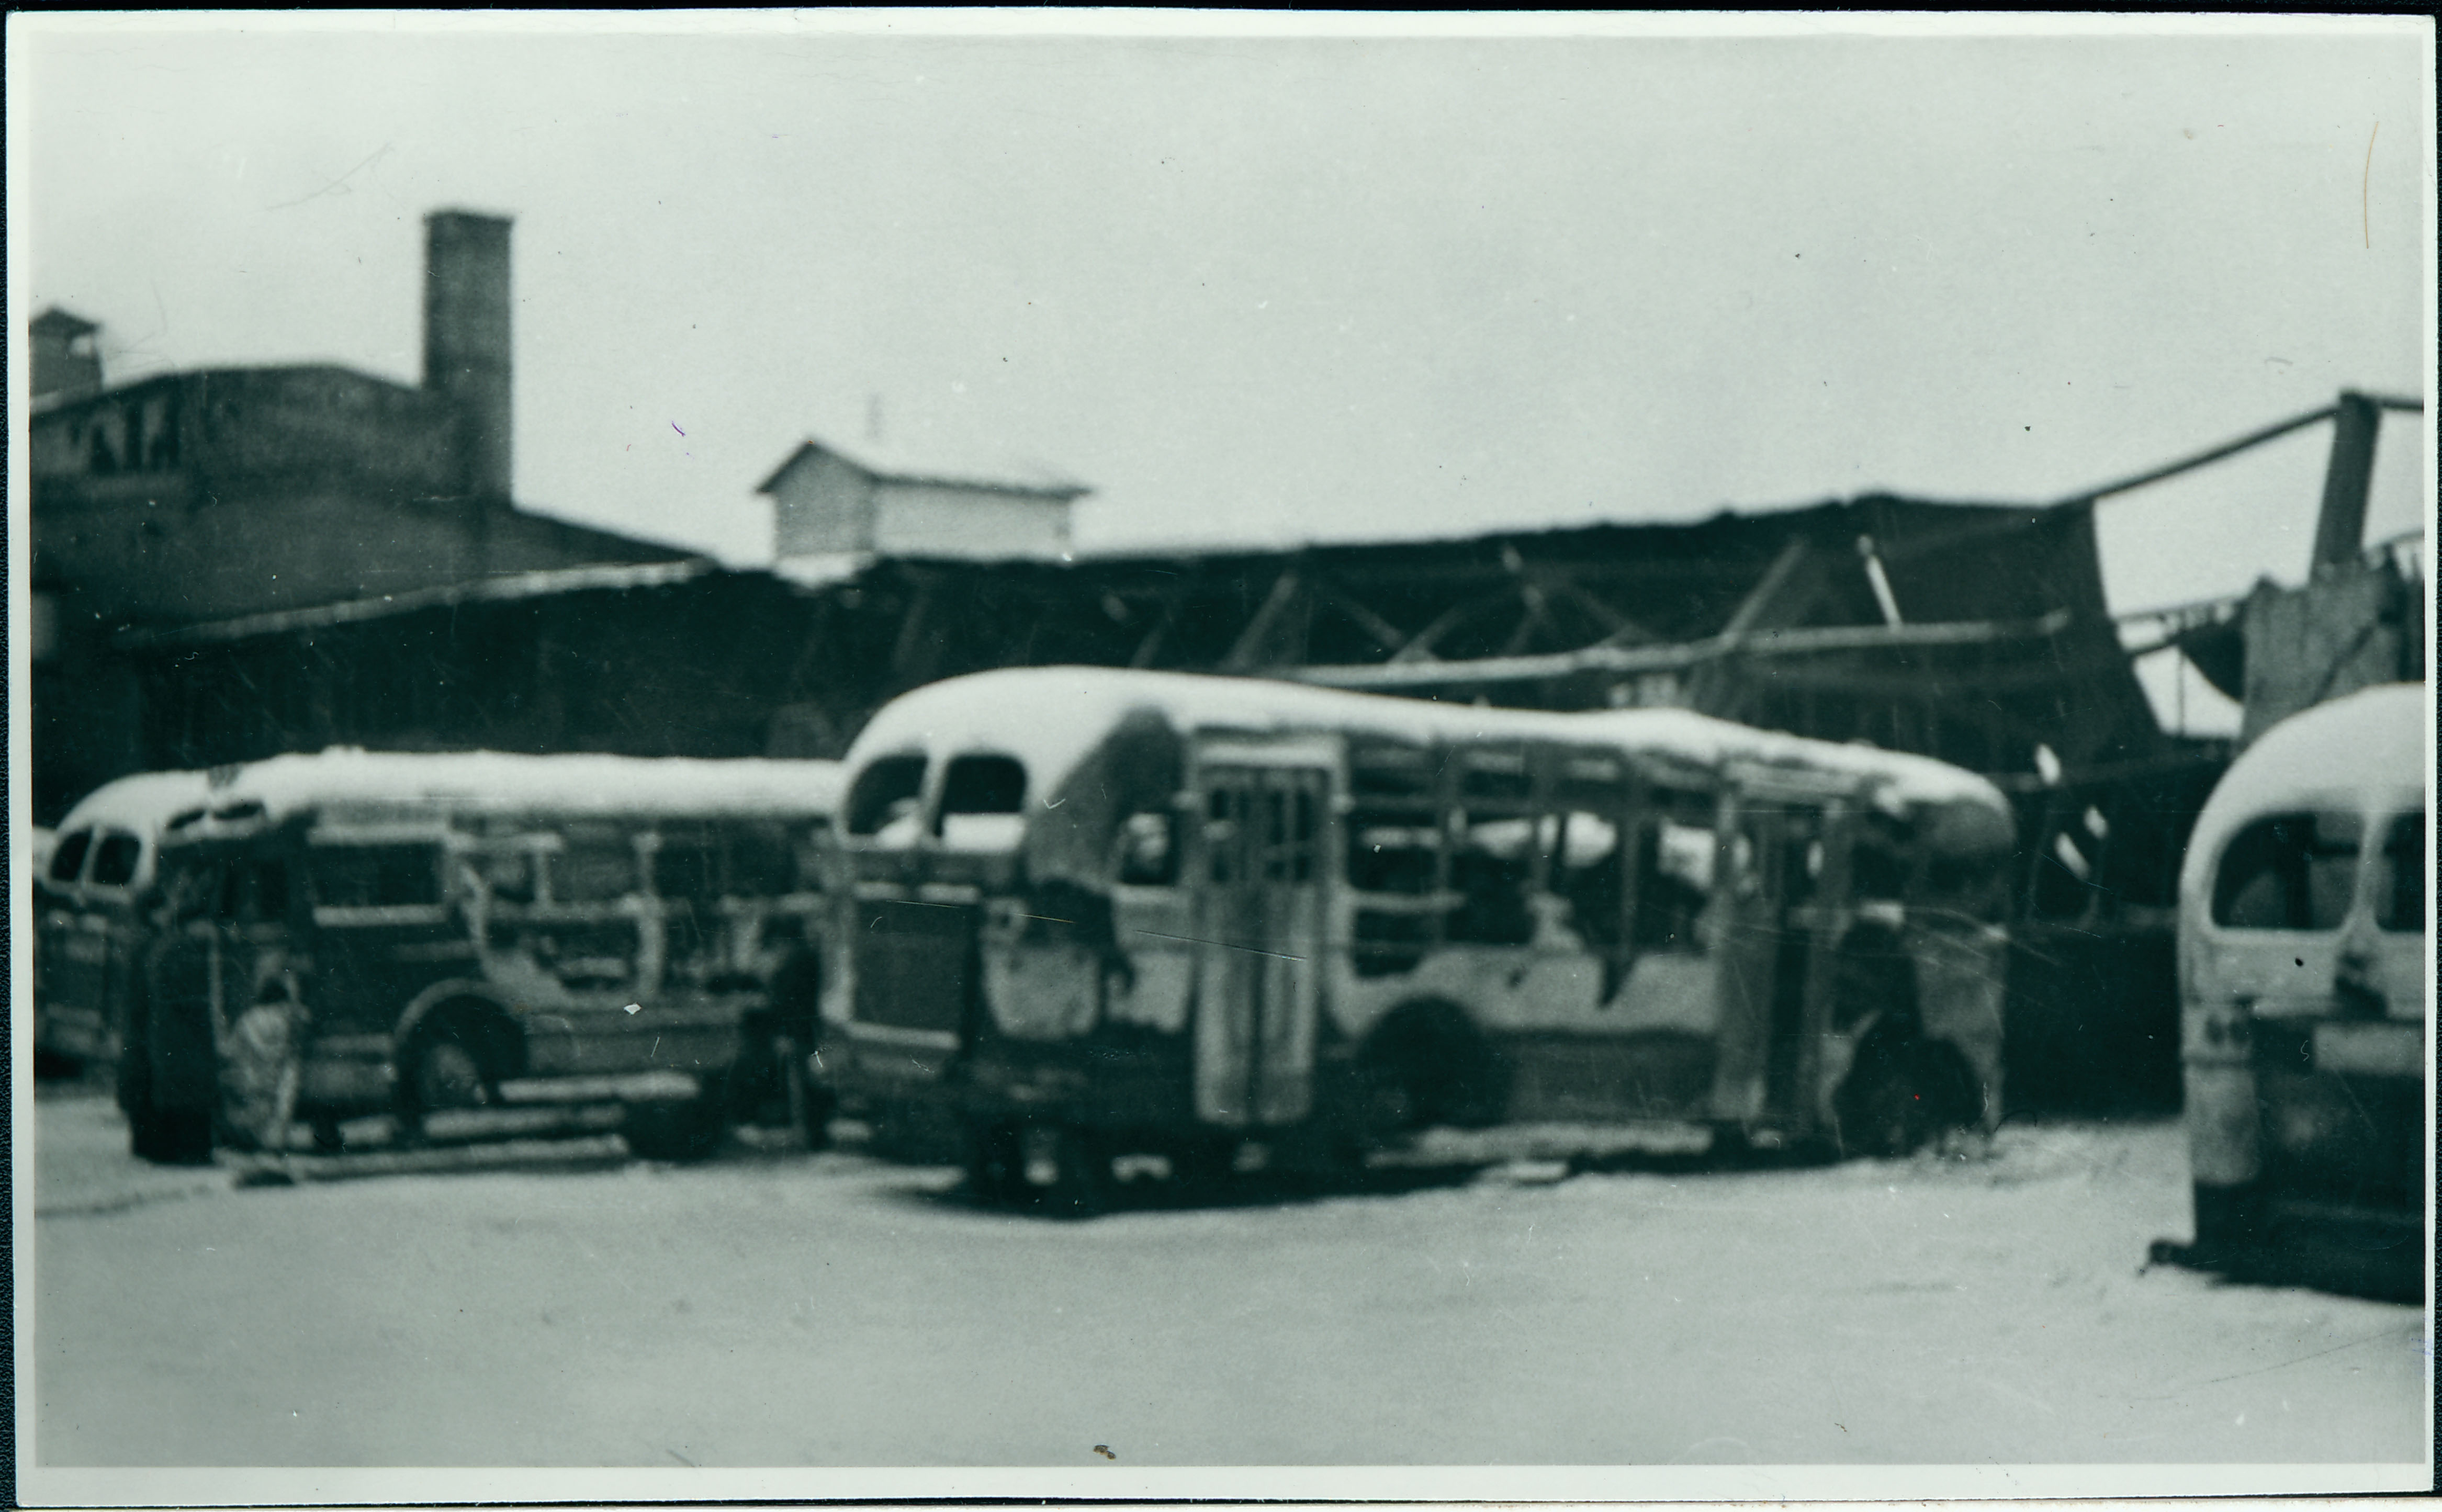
(1276, 287)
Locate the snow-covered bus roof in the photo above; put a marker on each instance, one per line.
(280, 787)
(1050, 718)
(2363, 754)
(143, 802)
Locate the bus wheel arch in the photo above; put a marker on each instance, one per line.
(454, 1050)
(1902, 1091)
(1428, 1063)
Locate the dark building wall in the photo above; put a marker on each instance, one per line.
(214, 495)
(260, 426)
(687, 668)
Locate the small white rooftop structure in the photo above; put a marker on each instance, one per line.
(830, 504)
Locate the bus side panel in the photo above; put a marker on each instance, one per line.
(79, 949)
(1648, 1052)
(1559, 1077)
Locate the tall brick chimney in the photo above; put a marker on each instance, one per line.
(467, 336)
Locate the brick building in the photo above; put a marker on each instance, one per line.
(197, 497)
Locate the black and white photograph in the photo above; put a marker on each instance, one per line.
(1152, 755)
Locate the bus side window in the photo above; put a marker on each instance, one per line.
(1591, 876)
(1149, 848)
(115, 859)
(69, 859)
(886, 791)
(380, 876)
(762, 863)
(1490, 871)
(263, 894)
(598, 864)
(2401, 906)
(1390, 851)
(251, 892)
(190, 891)
(2288, 871)
(1674, 880)
(687, 864)
(1877, 866)
(1394, 851)
(983, 784)
(505, 872)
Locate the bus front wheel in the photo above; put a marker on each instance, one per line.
(995, 1164)
(170, 1135)
(453, 1062)
(161, 1136)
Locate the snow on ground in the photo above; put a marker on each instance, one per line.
(771, 1308)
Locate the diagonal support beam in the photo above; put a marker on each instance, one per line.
(1248, 646)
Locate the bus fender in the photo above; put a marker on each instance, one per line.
(504, 1033)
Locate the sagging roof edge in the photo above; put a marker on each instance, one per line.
(538, 584)
(1977, 519)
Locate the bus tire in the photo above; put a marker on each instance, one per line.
(1080, 1173)
(156, 1135)
(51, 1065)
(995, 1164)
(1204, 1166)
(685, 1131)
(1426, 1065)
(1902, 1093)
(453, 1059)
(170, 1135)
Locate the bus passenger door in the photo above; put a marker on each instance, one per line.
(1259, 930)
(1781, 877)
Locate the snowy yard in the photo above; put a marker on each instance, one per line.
(559, 1305)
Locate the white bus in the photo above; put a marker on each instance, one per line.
(2304, 970)
(423, 935)
(1098, 912)
(91, 894)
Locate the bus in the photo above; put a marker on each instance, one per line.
(352, 933)
(1091, 912)
(2303, 967)
(91, 894)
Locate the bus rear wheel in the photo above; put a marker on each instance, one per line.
(995, 1164)
(690, 1130)
(1426, 1065)
(1079, 1162)
(1899, 1098)
(1204, 1166)
(154, 1134)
